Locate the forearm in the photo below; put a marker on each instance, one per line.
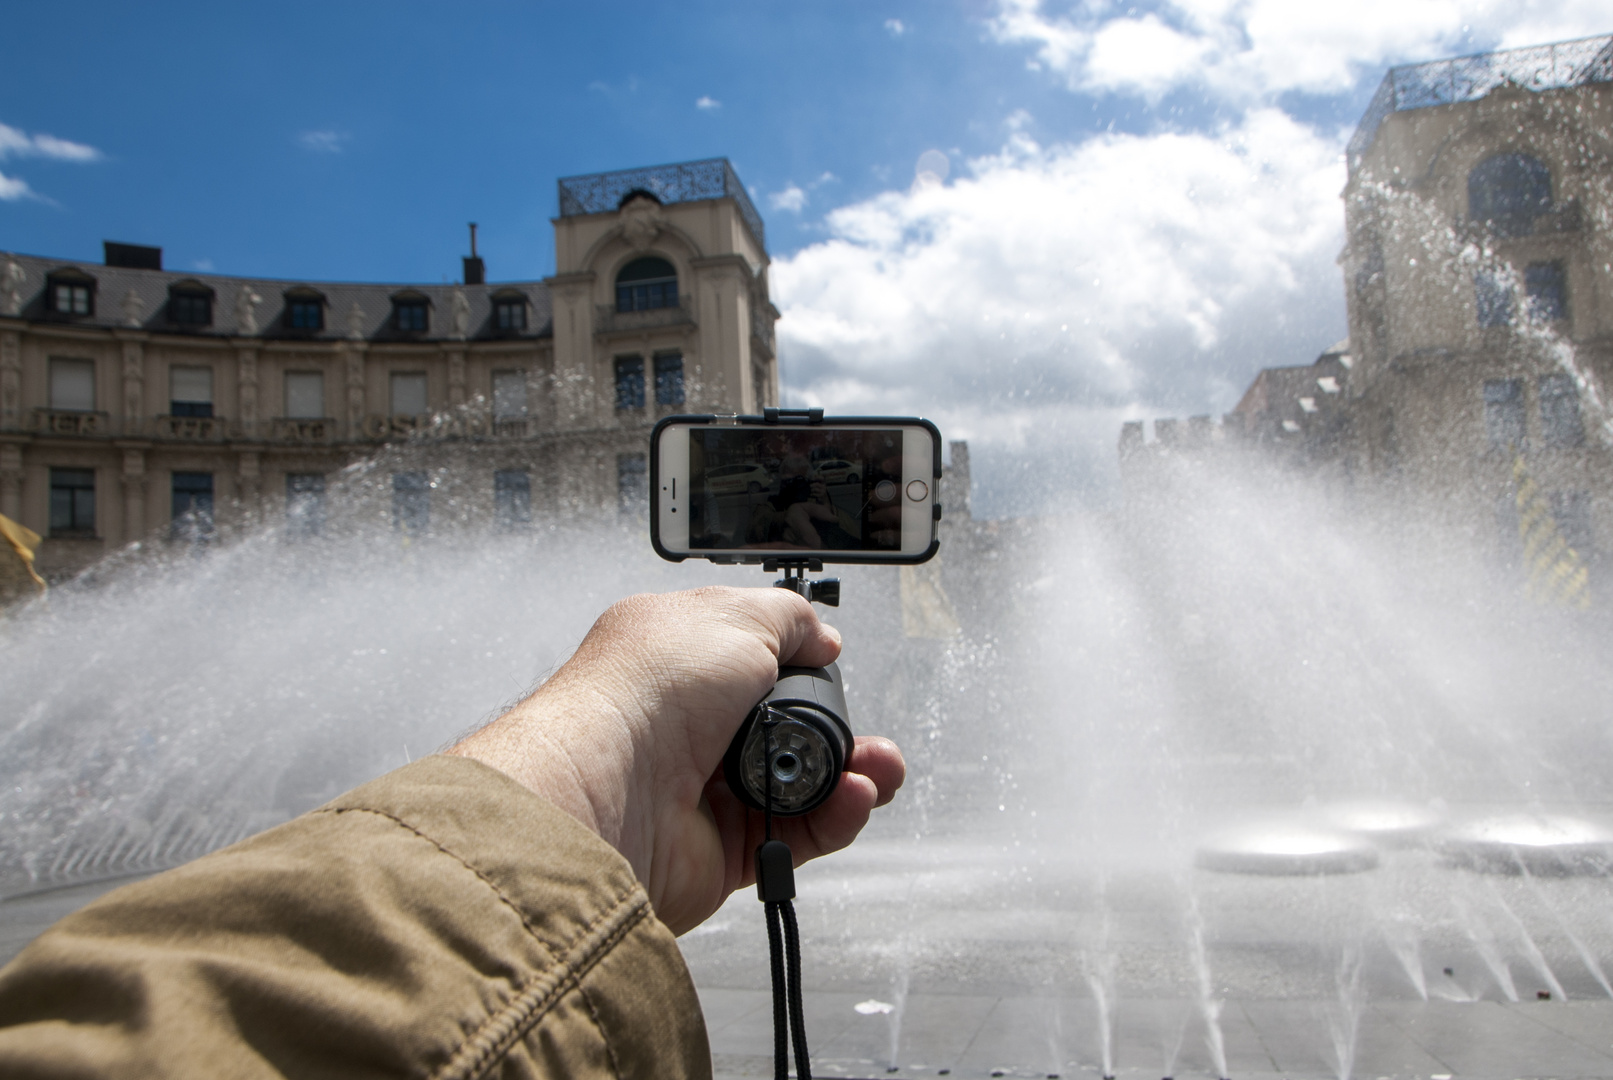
(424, 922)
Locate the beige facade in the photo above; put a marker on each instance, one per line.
(1478, 273)
(1480, 297)
(129, 394)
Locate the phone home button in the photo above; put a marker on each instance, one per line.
(917, 490)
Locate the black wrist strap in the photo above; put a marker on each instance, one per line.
(775, 885)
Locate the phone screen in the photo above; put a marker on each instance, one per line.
(862, 491)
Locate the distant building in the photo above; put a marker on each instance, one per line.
(139, 402)
(1478, 272)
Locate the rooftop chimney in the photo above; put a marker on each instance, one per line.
(475, 272)
(132, 256)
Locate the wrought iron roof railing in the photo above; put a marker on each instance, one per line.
(601, 193)
(1468, 78)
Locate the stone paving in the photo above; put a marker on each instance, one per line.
(973, 1036)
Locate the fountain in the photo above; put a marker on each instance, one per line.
(1233, 777)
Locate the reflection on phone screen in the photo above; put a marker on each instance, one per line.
(795, 490)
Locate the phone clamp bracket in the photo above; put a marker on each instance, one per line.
(772, 415)
(825, 592)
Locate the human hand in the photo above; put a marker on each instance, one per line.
(628, 737)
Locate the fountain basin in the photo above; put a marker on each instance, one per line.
(1386, 822)
(1285, 849)
(1543, 844)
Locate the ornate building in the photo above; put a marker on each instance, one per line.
(1478, 270)
(137, 402)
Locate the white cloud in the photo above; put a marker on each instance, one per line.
(707, 103)
(792, 198)
(895, 27)
(1057, 290)
(13, 188)
(1249, 50)
(322, 142)
(15, 143)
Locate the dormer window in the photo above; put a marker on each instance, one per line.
(190, 303)
(646, 283)
(305, 309)
(70, 292)
(411, 312)
(509, 311)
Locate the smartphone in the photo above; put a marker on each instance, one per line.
(849, 489)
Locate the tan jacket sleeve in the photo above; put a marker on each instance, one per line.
(442, 921)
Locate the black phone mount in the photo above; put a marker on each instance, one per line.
(803, 698)
(825, 592)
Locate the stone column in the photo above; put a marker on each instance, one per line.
(134, 494)
(10, 379)
(246, 361)
(134, 387)
(11, 475)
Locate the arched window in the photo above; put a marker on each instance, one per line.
(646, 283)
(1507, 191)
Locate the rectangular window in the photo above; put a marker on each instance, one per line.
(1571, 510)
(305, 504)
(411, 502)
(409, 393)
(410, 315)
(72, 384)
(630, 382)
(1494, 298)
(192, 505)
(1560, 423)
(512, 498)
(306, 314)
(190, 309)
(71, 299)
(511, 314)
(647, 295)
(632, 483)
(305, 395)
(1503, 412)
(1547, 288)
(669, 379)
(190, 391)
(72, 502)
(509, 395)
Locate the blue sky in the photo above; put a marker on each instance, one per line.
(355, 140)
(1135, 207)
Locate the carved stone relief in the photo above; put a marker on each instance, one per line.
(10, 377)
(133, 308)
(246, 361)
(461, 315)
(641, 223)
(246, 310)
(456, 378)
(134, 381)
(354, 359)
(12, 277)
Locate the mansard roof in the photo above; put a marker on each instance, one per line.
(151, 288)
